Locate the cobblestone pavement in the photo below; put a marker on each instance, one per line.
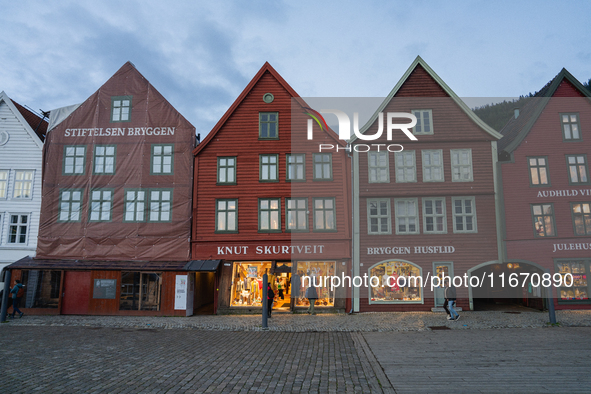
(327, 322)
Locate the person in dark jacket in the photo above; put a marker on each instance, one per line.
(312, 296)
(450, 301)
(270, 298)
(16, 299)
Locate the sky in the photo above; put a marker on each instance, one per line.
(201, 54)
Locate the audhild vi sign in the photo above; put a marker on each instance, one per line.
(345, 130)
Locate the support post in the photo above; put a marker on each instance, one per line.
(5, 295)
(265, 300)
(551, 310)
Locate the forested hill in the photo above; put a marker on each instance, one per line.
(497, 115)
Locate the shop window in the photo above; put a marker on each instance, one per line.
(543, 219)
(135, 205)
(538, 171)
(74, 160)
(296, 167)
(570, 126)
(424, 121)
(23, 184)
(432, 165)
(162, 159)
(226, 170)
(434, 219)
(42, 288)
(101, 203)
(577, 169)
(160, 205)
(323, 166)
(395, 283)
(226, 216)
(315, 271)
(104, 159)
(464, 213)
(581, 218)
(18, 229)
(121, 109)
(324, 214)
(406, 168)
(579, 291)
(378, 216)
(461, 165)
(3, 184)
(407, 216)
(247, 283)
(268, 126)
(269, 215)
(70, 205)
(296, 214)
(140, 291)
(378, 165)
(268, 168)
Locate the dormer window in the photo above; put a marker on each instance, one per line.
(121, 109)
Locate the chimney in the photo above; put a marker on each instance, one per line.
(516, 112)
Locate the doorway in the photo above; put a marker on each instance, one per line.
(204, 294)
(282, 273)
(76, 294)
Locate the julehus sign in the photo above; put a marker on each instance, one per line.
(118, 131)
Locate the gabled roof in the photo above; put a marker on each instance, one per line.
(420, 62)
(266, 68)
(28, 119)
(518, 128)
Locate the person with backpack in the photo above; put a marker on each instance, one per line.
(17, 292)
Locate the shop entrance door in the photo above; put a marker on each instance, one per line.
(283, 298)
(76, 294)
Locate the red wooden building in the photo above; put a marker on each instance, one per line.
(544, 172)
(428, 209)
(266, 201)
(115, 227)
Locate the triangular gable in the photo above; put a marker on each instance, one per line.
(21, 119)
(419, 62)
(516, 129)
(266, 68)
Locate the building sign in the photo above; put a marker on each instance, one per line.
(180, 291)
(118, 131)
(564, 193)
(572, 246)
(411, 250)
(271, 249)
(105, 289)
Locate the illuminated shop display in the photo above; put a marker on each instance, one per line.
(317, 271)
(394, 284)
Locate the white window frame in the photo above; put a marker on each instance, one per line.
(4, 184)
(404, 167)
(419, 113)
(399, 217)
(427, 153)
(20, 185)
(379, 216)
(463, 214)
(380, 171)
(461, 166)
(19, 227)
(434, 216)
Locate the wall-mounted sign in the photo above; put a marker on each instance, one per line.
(105, 289)
(118, 131)
(180, 291)
(271, 250)
(564, 193)
(411, 249)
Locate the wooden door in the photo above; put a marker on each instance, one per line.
(76, 294)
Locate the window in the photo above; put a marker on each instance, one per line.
(140, 291)
(570, 127)
(464, 215)
(42, 288)
(432, 165)
(324, 214)
(379, 171)
(135, 205)
(18, 229)
(70, 205)
(461, 165)
(101, 202)
(162, 159)
(104, 159)
(543, 216)
(74, 159)
(577, 289)
(407, 216)
(434, 219)
(268, 122)
(582, 218)
(160, 205)
(296, 167)
(538, 171)
(577, 169)
(296, 214)
(322, 166)
(23, 184)
(406, 169)
(388, 291)
(121, 109)
(424, 121)
(269, 215)
(268, 171)
(226, 216)
(3, 183)
(378, 216)
(227, 170)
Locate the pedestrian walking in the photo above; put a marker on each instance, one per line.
(270, 298)
(450, 301)
(311, 295)
(17, 292)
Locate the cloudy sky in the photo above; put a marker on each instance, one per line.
(200, 55)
